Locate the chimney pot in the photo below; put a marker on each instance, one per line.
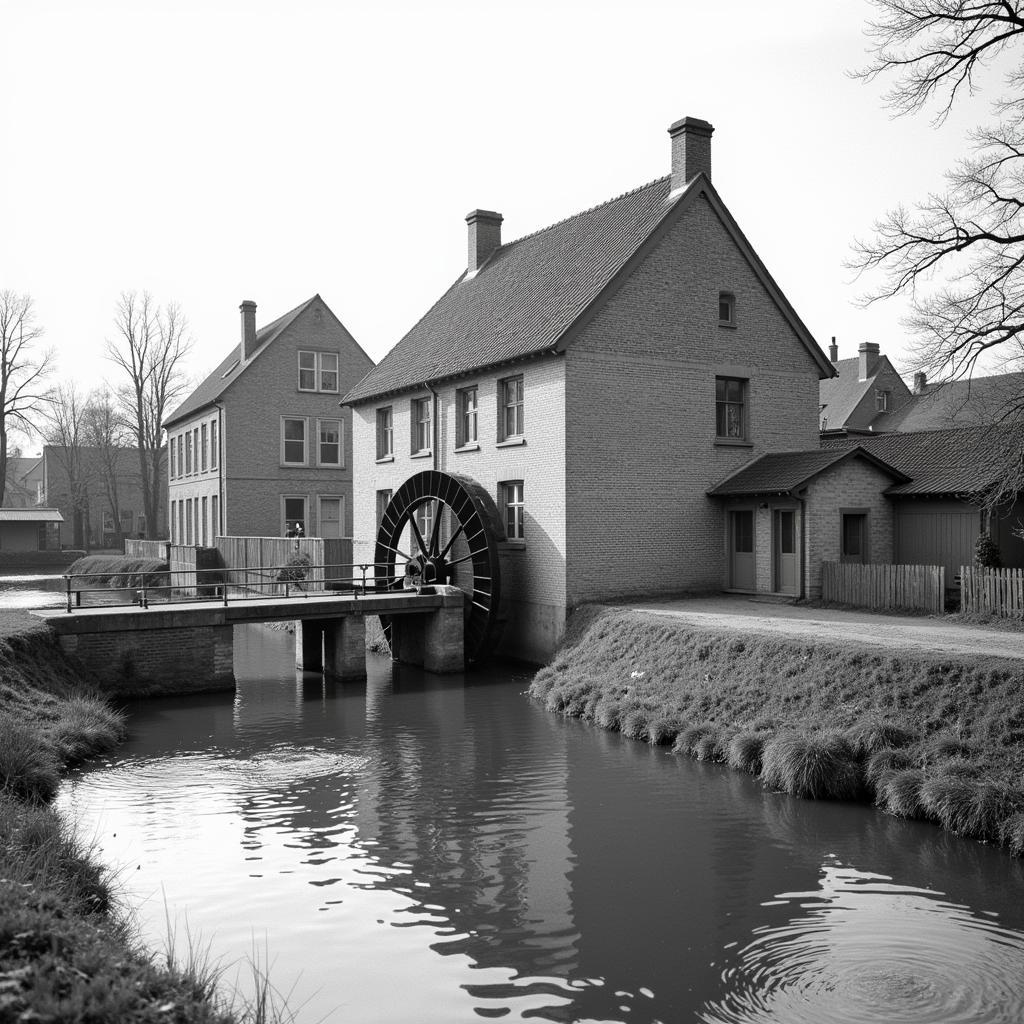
(484, 237)
(920, 382)
(868, 360)
(833, 351)
(248, 308)
(691, 150)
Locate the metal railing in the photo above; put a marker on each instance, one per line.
(284, 580)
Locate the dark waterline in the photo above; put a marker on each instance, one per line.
(420, 849)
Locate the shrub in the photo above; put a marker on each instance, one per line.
(968, 807)
(874, 734)
(899, 793)
(608, 713)
(1011, 833)
(986, 552)
(883, 762)
(634, 724)
(29, 768)
(745, 750)
(662, 730)
(707, 748)
(295, 570)
(943, 747)
(819, 766)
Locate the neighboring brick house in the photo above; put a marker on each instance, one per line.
(24, 487)
(99, 494)
(261, 444)
(597, 378)
(865, 392)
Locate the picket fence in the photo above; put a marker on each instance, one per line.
(919, 588)
(992, 591)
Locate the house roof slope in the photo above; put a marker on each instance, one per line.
(959, 403)
(228, 371)
(840, 395)
(958, 461)
(783, 472)
(30, 515)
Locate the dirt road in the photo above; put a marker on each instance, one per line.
(884, 632)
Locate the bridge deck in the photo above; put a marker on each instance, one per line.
(238, 611)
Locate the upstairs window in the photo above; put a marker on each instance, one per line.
(511, 419)
(727, 309)
(383, 500)
(202, 449)
(511, 495)
(213, 444)
(181, 457)
(421, 426)
(466, 403)
(730, 408)
(188, 452)
(318, 371)
(293, 441)
(330, 442)
(172, 462)
(385, 434)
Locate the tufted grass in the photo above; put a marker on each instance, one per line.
(826, 719)
(127, 571)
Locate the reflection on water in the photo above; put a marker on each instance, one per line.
(32, 591)
(419, 849)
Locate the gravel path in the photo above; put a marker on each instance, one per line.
(899, 632)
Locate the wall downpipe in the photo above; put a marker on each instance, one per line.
(220, 469)
(802, 501)
(434, 426)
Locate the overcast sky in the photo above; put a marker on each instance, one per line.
(222, 150)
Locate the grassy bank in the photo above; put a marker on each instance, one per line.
(65, 954)
(921, 737)
(128, 572)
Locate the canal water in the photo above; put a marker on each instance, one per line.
(431, 849)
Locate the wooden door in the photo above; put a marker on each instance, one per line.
(742, 573)
(784, 544)
(330, 518)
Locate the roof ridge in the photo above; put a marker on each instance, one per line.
(589, 209)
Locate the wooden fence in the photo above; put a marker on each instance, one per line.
(995, 591)
(246, 561)
(920, 588)
(146, 548)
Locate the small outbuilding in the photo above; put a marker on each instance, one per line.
(30, 529)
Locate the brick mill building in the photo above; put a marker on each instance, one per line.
(598, 378)
(261, 443)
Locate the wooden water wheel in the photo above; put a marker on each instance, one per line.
(450, 525)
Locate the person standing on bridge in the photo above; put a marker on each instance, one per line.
(413, 574)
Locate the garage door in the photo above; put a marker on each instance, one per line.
(943, 535)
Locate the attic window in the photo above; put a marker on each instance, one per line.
(230, 370)
(881, 401)
(726, 309)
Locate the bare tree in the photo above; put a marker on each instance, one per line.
(959, 255)
(23, 372)
(149, 348)
(107, 438)
(63, 431)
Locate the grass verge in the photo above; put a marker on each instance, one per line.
(66, 954)
(923, 737)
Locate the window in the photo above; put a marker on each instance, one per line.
(512, 502)
(213, 445)
(188, 520)
(318, 371)
(425, 521)
(195, 445)
(727, 308)
(385, 434)
(293, 441)
(202, 448)
(140, 524)
(195, 512)
(205, 522)
(330, 442)
(881, 401)
(108, 521)
(465, 432)
(293, 510)
(421, 426)
(180, 466)
(188, 452)
(174, 449)
(214, 517)
(511, 395)
(181, 522)
(730, 408)
(383, 500)
(853, 538)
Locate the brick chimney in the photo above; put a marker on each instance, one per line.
(868, 356)
(691, 151)
(833, 351)
(920, 382)
(484, 237)
(248, 308)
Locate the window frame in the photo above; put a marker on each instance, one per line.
(318, 358)
(727, 299)
(512, 501)
(518, 402)
(321, 370)
(203, 445)
(215, 516)
(467, 417)
(382, 503)
(881, 400)
(180, 459)
(214, 446)
(420, 424)
(304, 420)
(285, 519)
(306, 369)
(173, 453)
(385, 433)
(188, 453)
(340, 464)
(725, 403)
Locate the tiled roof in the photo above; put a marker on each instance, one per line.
(30, 515)
(958, 403)
(524, 297)
(229, 370)
(962, 461)
(840, 395)
(782, 472)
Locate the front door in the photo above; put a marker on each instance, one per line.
(330, 517)
(742, 575)
(784, 546)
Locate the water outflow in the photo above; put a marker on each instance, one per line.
(420, 849)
